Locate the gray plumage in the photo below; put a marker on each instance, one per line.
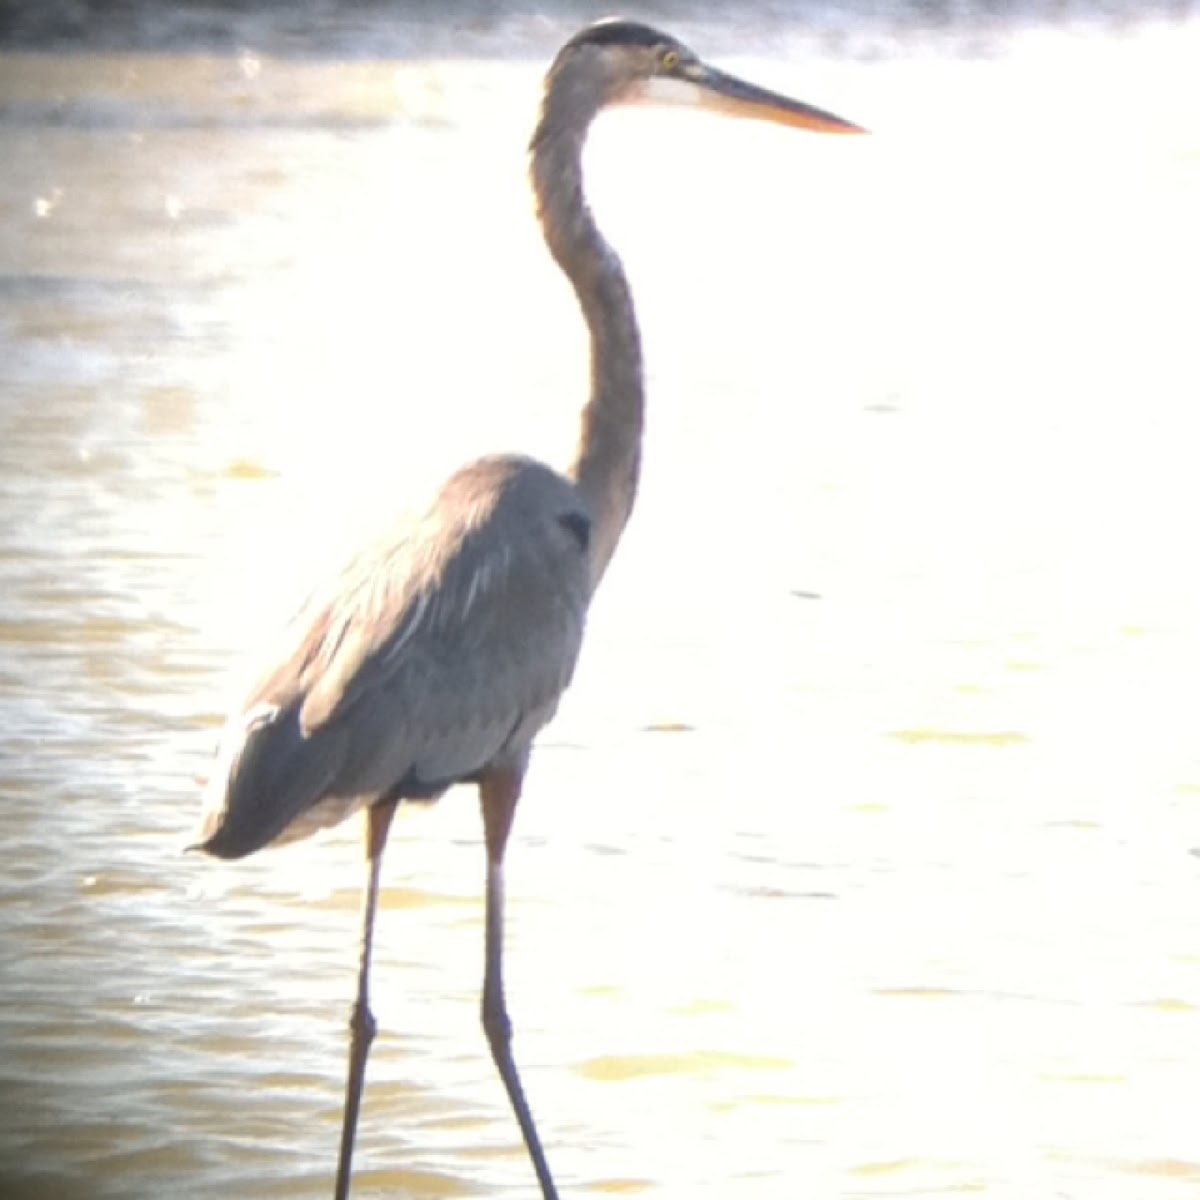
(430, 658)
(437, 655)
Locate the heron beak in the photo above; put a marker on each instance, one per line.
(734, 97)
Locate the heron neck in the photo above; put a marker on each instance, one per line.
(609, 453)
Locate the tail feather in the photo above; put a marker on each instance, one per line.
(268, 772)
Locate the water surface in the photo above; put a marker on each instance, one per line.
(862, 858)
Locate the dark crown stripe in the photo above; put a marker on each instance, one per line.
(615, 32)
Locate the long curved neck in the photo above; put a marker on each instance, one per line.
(609, 453)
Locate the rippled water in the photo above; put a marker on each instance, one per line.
(862, 859)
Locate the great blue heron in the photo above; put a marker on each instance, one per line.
(436, 657)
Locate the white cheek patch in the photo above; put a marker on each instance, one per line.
(661, 90)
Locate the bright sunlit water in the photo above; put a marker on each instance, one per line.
(864, 857)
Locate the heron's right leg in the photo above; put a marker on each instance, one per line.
(362, 1021)
(499, 790)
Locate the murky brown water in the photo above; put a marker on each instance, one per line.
(862, 860)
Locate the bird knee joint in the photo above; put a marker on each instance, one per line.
(497, 1025)
(362, 1022)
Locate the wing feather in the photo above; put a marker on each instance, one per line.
(429, 657)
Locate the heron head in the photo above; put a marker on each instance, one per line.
(625, 62)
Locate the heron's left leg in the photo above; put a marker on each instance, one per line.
(499, 790)
(362, 1021)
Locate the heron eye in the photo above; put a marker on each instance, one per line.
(669, 60)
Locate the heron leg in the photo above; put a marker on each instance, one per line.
(362, 1021)
(499, 790)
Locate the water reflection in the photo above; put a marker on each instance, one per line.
(882, 892)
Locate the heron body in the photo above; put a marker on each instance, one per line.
(433, 657)
(437, 655)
